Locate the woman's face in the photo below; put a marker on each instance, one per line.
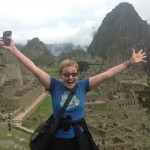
(69, 76)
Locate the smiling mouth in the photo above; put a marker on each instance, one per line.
(70, 82)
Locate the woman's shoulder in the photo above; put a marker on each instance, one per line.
(54, 79)
(84, 80)
(84, 83)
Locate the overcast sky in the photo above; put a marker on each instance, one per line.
(59, 21)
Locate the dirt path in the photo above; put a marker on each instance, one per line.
(18, 119)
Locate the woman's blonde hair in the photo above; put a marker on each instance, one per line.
(66, 63)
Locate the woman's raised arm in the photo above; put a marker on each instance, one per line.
(42, 76)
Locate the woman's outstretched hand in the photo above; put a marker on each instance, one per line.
(10, 47)
(138, 57)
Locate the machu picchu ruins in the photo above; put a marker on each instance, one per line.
(124, 127)
(118, 111)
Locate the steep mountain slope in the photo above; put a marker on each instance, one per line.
(37, 51)
(121, 30)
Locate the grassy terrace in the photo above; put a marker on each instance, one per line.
(13, 140)
(40, 115)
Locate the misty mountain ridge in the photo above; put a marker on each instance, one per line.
(57, 49)
(120, 30)
(148, 21)
(38, 52)
(44, 54)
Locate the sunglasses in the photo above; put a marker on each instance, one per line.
(67, 74)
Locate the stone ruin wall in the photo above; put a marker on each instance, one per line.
(130, 116)
(10, 71)
(113, 143)
(103, 132)
(25, 100)
(119, 94)
(9, 88)
(115, 146)
(30, 96)
(16, 89)
(124, 104)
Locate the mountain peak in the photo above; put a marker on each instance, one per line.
(120, 30)
(37, 51)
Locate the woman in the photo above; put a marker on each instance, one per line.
(59, 89)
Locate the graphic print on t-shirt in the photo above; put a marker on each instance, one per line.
(73, 103)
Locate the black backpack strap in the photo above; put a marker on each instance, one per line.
(72, 92)
(62, 109)
(92, 143)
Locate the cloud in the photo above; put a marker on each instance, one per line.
(59, 21)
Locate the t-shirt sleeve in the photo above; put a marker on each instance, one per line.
(85, 84)
(53, 84)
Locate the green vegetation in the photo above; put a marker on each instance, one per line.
(83, 66)
(40, 115)
(1, 54)
(11, 139)
(50, 70)
(93, 92)
(95, 135)
(144, 97)
(103, 111)
(45, 107)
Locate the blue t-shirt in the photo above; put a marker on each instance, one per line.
(75, 109)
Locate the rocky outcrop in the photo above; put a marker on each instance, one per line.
(121, 30)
